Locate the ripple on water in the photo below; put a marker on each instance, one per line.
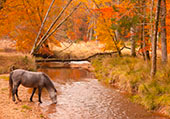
(82, 97)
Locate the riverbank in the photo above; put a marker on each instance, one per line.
(18, 60)
(21, 110)
(132, 75)
(9, 57)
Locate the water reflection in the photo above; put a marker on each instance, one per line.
(82, 97)
(67, 75)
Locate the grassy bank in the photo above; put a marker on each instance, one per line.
(133, 76)
(78, 50)
(24, 61)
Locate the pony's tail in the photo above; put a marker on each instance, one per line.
(10, 84)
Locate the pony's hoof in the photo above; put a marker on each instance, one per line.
(54, 103)
(31, 100)
(20, 100)
(15, 102)
(39, 103)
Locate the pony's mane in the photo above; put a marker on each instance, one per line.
(49, 81)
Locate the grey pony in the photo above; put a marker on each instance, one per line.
(35, 80)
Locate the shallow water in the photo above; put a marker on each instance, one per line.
(80, 96)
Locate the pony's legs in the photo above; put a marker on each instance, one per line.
(34, 89)
(15, 91)
(13, 94)
(18, 96)
(39, 94)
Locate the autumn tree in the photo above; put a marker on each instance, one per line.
(163, 32)
(77, 26)
(104, 32)
(113, 23)
(21, 19)
(154, 41)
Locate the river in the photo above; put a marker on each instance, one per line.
(81, 96)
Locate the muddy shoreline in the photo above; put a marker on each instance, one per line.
(24, 109)
(21, 110)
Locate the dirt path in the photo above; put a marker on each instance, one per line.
(22, 110)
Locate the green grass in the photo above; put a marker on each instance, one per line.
(26, 107)
(133, 75)
(4, 89)
(4, 77)
(42, 116)
(15, 108)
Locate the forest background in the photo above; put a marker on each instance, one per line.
(139, 25)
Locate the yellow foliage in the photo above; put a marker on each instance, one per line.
(104, 32)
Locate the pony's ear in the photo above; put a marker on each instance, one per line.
(12, 68)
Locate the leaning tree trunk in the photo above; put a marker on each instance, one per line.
(41, 28)
(163, 32)
(47, 34)
(55, 29)
(154, 41)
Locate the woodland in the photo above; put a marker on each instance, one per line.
(140, 26)
(32, 25)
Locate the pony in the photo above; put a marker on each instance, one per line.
(35, 80)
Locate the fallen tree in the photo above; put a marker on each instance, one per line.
(81, 59)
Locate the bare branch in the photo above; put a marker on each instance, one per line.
(43, 40)
(42, 25)
(54, 22)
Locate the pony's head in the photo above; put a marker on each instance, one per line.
(51, 88)
(53, 96)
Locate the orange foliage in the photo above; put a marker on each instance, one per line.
(168, 25)
(130, 34)
(107, 12)
(21, 20)
(108, 23)
(104, 33)
(77, 25)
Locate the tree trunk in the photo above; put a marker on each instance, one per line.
(133, 43)
(46, 36)
(145, 50)
(1, 3)
(141, 44)
(42, 25)
(154, 41)
(151, 18)
(163, 32)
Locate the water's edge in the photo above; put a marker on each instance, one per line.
(80, 96)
